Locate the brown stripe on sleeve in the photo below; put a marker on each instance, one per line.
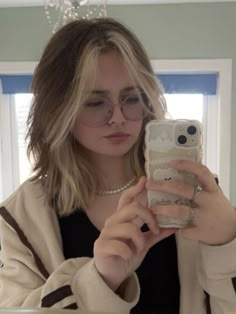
(207, 303)
(56, 296)
(72, 306)
(234, 283)
(12, 222)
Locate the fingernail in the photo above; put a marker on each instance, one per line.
(149, 182)
(141, 182)
(142, 179)
(174, 162)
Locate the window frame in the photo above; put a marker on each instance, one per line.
(222, 67)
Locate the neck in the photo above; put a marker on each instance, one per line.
(112, 172)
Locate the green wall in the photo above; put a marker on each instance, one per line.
(183, 31)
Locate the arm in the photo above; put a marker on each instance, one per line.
(213, 227)
(75, 283)
(217, 275)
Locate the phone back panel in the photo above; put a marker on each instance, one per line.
(167, 140)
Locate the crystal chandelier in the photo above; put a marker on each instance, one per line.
(60, 12)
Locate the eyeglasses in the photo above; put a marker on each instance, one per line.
(99, 110)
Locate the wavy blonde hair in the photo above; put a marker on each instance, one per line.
(60, 85)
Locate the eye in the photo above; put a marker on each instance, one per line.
(131, 99)
(95, 103)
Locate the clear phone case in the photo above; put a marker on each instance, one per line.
(167, 140)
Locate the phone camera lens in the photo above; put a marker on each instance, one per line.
(182, 139)
(192, 130)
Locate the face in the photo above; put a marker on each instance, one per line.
(113, 89)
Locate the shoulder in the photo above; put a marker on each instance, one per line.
(30, 190)
(29, 197)
(28, 222)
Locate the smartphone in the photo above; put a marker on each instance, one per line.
(167, 140)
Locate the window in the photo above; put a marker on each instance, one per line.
(193, 107)
(185, 106)
(178, 106)
(218, 110)
(22, 104)
(14, 108)
(204, 109)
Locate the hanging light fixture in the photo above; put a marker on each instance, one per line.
(60, 12)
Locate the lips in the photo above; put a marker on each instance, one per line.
(117, 137)
(118, 134)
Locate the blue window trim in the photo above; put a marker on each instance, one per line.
(189, 83)
(16, 84)
(173, 83)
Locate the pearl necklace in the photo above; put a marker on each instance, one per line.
(122, 188)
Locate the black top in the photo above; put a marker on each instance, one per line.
(158, 273)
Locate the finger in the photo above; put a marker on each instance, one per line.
(203, 174)
(132, 212)
(127, 231)
(112, 248)
(173, 187)
(128, 195)
(174, 211)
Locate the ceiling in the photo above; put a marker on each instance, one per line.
(29, 3)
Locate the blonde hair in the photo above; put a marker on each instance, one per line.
(59, 85)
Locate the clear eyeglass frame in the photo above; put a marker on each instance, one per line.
(98, 111)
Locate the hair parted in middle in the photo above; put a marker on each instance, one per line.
(60, 86)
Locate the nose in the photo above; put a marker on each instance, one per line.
(117, 115)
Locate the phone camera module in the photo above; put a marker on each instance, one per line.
(191, 130)
(182, 139)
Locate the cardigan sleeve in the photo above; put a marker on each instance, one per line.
(33, 270)
(217, 275)
(75, 283)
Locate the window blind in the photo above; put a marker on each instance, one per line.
(16, 84)
(173, 83)
(205, 84)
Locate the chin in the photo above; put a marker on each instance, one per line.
(115, 151)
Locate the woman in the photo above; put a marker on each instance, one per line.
(74, 235)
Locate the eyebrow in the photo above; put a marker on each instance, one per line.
(105, 92)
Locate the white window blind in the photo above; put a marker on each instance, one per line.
(22, 106)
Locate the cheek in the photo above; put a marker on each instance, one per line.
(136, 128)
(81, 133)
(89, 138)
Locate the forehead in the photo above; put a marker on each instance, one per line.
(111, 73)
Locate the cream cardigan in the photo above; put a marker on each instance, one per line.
(34, 272)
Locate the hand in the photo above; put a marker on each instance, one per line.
(215, 218)
(122, 246)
